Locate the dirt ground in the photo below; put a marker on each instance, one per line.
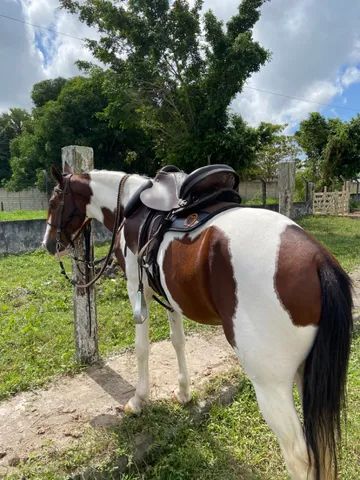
(62, 412)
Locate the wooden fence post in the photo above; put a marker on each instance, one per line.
(81, 159)
(286, 186)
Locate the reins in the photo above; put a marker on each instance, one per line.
(117, 228)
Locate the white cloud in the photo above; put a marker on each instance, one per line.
(29, 54)
(350, 76)
(20, 66)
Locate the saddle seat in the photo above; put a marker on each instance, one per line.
(173, 189)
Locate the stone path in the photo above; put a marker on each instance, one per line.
(62, 412)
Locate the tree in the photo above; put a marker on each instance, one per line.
(47, 90)
(276, 147)
(312, 136)
(176, 79)
(342, 152)
(12, 124)
(76, 118)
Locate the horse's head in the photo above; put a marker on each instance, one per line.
(67, 210)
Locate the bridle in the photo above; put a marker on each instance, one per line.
(76, 212)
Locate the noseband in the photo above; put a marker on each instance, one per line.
(59, 230)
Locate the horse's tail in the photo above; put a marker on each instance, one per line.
(325, 370)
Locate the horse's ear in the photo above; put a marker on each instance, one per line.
(68, 169)
(55, 172)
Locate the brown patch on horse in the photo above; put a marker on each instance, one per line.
(80, 185)
(132, 228)
(73, 215)
(109, 218)
(200, 278)
(297, 280)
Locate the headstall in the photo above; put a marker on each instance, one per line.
(89, 265)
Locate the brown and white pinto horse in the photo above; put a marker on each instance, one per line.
(283, 301)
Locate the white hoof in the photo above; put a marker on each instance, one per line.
(182, 397)
(134, 405)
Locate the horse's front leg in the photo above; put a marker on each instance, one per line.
(183, 393)
(142, 347)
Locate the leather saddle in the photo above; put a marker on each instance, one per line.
(174, 189)
(175, 201)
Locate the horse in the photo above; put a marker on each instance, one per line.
(284, 302)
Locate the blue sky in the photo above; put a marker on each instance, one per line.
(315, 47)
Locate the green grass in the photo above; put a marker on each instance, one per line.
(340, 235)
(258, 201)
(36, 343)
(22, 215)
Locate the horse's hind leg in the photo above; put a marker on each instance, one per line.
(299, 380)
(277, 406)
(183, 393)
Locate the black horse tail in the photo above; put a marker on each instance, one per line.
(324, 392)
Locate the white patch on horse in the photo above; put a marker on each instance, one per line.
(47, 232)
(104, 186)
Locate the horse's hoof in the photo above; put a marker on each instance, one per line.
(134, 406)
(182, 397)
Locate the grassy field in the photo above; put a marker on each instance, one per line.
(233, 442)
(22, 215)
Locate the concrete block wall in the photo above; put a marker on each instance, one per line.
(31, 199)
(22, 236)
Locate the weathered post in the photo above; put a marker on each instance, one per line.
(81, 159)
(286, 186)
(310, 188)
(263, 192)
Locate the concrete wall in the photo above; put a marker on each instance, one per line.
(251, 190)
(26, 235)
(299, 209)
(31, 199)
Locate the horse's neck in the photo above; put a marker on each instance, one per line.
(105, 186)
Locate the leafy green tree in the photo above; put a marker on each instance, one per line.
(76, 118)
(312, 136)
(12, 124)
(332, 147)
(47, 90)
(272, 147)
(342, 152)
(176, 72)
